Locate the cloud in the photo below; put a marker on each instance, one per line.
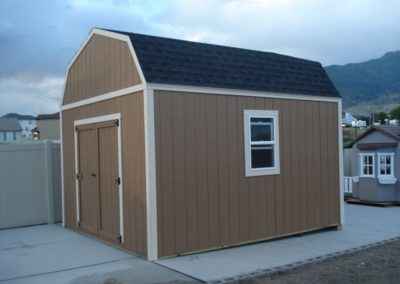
(39, 38)
(30, 94)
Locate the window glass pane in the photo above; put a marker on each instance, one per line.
(261, 129)
(262, 156)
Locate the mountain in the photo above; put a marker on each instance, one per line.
(368, 86)
(19, 116)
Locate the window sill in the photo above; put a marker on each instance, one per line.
(387, 180)
(262, 172)
(367, 176)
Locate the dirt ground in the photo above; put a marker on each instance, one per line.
(374, 265)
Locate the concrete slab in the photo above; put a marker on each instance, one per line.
(52, 254)
(364, 225)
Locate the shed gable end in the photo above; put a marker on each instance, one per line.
(104, 65)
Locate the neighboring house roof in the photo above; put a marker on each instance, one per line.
(55, 115)
(9, 124)
(391, 131)
(179, 62)
(19, 116)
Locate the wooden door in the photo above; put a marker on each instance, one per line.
(109, 183)
(99, 180)
(88, 183)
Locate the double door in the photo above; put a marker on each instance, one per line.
(98, 180)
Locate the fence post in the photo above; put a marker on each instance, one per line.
(49, 181)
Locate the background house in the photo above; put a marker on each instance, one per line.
(27, 123)
(375, 165)
(48, 127)
(10, 130)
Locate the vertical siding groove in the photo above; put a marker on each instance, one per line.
(222, 206)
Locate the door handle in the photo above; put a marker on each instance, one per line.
(93, 175)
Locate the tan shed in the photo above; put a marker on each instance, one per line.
(172, 147)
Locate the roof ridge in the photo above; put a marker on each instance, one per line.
(212, 44)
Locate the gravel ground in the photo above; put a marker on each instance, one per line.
(379, 264)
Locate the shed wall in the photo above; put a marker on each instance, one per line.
(104, 65)
(133, 164)
(204, 199)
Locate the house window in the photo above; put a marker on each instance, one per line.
(367, 164)
(386, 164)
(261, 142)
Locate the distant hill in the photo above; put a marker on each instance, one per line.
(19, 116)
(373, 85)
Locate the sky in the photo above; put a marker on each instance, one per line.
(38, 38)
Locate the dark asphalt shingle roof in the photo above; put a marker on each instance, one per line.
(172, 61)
(55, 115)
(9, 124)
(391, 131)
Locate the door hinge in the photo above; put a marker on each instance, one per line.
(78, 176)
(118, 180)
(117, 123)
(119, 238)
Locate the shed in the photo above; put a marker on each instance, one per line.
(48, 127)
(10, 129)
(173, 147)
(375, 165)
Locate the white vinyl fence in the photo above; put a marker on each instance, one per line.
(30, 184)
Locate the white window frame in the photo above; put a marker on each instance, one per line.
(362, 155)
(248, 114)
(391, 154)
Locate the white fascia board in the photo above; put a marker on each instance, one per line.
(236, 92)
(104, 97)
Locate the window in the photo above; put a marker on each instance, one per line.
(261, 142)
(386, 164)
(367, 161)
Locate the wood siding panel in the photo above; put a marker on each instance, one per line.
(205, 158)
(133, 164)
(103, 66)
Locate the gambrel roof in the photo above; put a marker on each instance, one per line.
(179, 62)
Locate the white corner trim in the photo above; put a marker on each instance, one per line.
(341, 170)
(97, 119)
(151, 193)
(109, 34)
(62, 170)
(104, 97)
(247, 115)
(362, 155)
(235, 92)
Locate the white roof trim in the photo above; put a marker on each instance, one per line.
(104, 97)
(237, 92)
(109, 34)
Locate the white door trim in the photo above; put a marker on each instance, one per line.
(97, 119)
